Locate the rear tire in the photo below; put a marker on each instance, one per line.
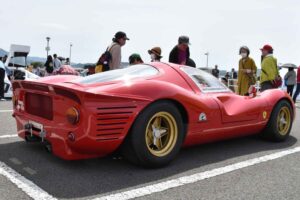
(156, 136)
(280, 123)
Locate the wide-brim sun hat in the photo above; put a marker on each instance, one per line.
(156, 51)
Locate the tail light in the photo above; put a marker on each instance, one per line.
(72, 115)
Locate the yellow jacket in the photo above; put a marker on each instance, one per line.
(269, 70)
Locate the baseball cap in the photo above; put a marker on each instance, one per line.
(184, 40)
(267, 47)
(120, 35)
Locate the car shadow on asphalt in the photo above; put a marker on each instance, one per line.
(86, 178)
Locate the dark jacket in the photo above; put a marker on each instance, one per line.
(173, 58)
(191, 63)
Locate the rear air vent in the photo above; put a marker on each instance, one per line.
(68, 94)
(37, 87)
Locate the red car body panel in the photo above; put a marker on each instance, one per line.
(108, 110)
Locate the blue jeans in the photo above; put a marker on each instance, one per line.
(297, 92)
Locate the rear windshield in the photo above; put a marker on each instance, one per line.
(205, 81)
(136, 71)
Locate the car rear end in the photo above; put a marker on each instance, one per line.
(74, 123)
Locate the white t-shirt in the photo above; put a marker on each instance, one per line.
(56, 63)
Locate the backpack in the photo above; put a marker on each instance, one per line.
(105, 58)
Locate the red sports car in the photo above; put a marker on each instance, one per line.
(146, 111)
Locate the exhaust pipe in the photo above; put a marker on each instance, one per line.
(48, 147)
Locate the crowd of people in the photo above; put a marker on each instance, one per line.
(180, 54)
(56, 65)
(246, 75)
(111, 58)
(269, 78)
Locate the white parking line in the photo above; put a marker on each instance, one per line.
(162, 186)
(5, 111)
(24, 184)
(8, 136)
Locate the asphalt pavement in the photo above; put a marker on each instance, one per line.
(32, 171)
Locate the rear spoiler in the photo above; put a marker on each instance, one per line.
(56, 89)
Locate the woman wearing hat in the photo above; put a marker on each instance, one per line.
(269, 70)
(247, 71)
(155, 54)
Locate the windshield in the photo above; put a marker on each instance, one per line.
(135, 71)
(205, 81)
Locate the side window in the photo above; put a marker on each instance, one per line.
(205, 81)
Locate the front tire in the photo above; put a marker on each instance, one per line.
(280, 123)
(156, 136)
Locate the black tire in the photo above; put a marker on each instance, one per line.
(135, 147)
(272, 131)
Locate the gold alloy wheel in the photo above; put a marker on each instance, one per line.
(283, 120)
(161, 134)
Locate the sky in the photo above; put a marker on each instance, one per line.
(218, 27)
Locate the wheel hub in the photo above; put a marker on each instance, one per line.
(157, 134)
(284, 121)
(161, 134)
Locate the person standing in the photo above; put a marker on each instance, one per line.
(298, 85)
(233, 74)
(215, 72)
(49, 65)
(180, 54)
(269, 70)
(56, 62)
(2, 77)
(155, 54)
(227, 76)
(290, 80)
(247, 71)
(119, 41)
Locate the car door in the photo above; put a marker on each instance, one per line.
(235, 108)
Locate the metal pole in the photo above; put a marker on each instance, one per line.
(70, 53)
(207, 54)
(47, 48)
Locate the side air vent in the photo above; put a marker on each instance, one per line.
(111, 121)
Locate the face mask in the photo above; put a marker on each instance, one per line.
(153, 56)
(244, 55)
